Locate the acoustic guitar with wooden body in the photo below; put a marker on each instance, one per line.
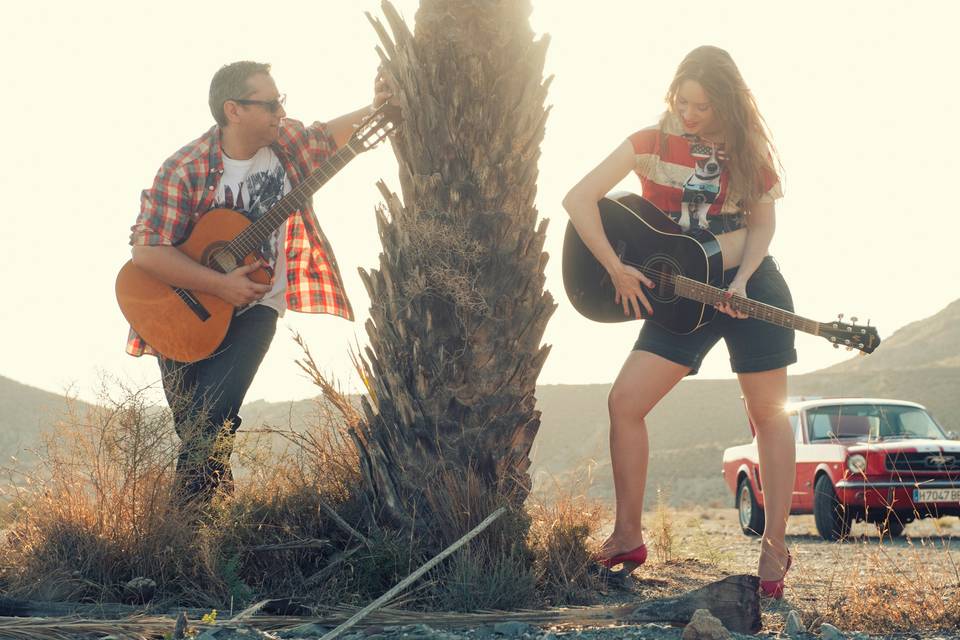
(186, 325)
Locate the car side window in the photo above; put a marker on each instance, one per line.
(820, 427)
(794, 419)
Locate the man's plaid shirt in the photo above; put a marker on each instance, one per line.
(184, 190)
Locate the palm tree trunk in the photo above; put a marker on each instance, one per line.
(458, 308)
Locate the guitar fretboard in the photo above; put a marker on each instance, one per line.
(257, 233)
(696, 290)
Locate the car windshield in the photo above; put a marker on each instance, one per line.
(870, 422)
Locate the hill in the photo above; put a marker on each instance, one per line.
(25, 412)
(688, 430)
(931, 342)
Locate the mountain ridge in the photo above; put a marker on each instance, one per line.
(688, 430)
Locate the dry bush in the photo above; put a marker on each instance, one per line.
(878, 591)
(664, 538)
(559, 537)
(95, 511)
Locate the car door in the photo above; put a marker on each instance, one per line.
(807, 461)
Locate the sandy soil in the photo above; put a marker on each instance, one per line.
(708, 543)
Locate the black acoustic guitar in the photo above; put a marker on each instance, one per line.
(687, 268)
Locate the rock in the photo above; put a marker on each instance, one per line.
(703, 626)
(415, 631)
(308, 630)
(483, 632)
(139, 590)
(830, 632)
(513, 629)
(234, 633)
(794, 626)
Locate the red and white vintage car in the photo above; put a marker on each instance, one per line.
(858, 459)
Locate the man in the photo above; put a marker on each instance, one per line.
(247, 162)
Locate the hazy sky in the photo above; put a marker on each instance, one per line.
(861, 99)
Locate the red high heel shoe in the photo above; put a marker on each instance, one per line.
(630, 560)
(774, 588)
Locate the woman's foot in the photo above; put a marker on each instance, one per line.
(775, 561)
(614, 552)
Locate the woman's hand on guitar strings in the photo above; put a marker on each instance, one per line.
(735, 289)
(628, 280)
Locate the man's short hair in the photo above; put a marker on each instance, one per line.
(230, 82)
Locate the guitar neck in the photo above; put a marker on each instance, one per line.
(257, 233)
(696, 290)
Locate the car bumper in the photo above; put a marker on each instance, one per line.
(895, 494)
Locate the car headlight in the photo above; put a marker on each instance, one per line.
(856, 463)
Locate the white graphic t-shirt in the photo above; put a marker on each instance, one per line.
(252, 187)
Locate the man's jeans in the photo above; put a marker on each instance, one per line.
(205, 397)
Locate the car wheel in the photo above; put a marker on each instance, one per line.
(891, 526)
(751, 515)
(833, 518)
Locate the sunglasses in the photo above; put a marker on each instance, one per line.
(270, 105)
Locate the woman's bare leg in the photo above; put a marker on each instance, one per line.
(644, 379)
(766, 394)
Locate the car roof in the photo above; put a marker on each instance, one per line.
(801, 404)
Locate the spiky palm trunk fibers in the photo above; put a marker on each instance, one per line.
(458, 308)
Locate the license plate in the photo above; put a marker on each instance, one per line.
(936, 495)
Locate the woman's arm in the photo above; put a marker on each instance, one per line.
(761, 224)
(581, 205)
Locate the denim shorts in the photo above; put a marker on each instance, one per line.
(754, 345)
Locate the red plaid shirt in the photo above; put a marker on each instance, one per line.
(184, 190)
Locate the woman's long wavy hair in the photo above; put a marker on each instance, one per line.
(748, 143)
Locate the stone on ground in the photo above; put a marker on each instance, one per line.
(704, 626)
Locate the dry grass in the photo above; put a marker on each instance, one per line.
(664, 538)
(876, 586)
(97, 512)
(559, 537)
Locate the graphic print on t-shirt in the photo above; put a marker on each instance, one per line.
(703, 186)
(267, 189)
(252, 187)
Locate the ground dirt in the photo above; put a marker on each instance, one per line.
(708, 545)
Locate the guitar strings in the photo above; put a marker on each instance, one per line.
(758, 309)
(755, 308)
(250, 238)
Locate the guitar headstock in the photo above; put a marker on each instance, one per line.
(376, 126)
(864, 338)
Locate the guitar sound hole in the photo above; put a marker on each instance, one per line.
(217, 257)
(662, 269)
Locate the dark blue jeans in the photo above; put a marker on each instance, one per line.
(205, 398)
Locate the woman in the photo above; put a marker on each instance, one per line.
(708, 162)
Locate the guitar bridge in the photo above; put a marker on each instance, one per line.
(193, 304)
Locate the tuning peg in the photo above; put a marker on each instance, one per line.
(840, 317)
(853, 319)
(868, 322)
(836, 346)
